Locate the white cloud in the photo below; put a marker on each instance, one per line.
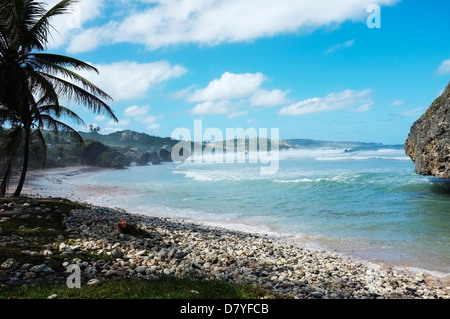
(141, 114)
(118, 124)
(212, 108)
(340, 46)
(136, 110)
(347, 99)
(154, 127)
(131, 80)
(230, 92)
(100, 118)
(397, 103)
(162, 23)
(414, 112)
(444, 68)
(236, 114)
(230, 86)
(269, 98)
(364, 108)
(69, 24)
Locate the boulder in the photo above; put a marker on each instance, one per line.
(91, 152)
(165, 155)
(113, 159)
(428, 143)
(155, 159)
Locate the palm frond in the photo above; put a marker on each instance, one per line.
(80, 95)
(58, 126)
(38, 35)
(62, 60)
(55, 70)
(61, 111)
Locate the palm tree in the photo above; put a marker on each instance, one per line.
(28, 74)
(23, 133)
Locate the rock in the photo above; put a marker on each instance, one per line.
(24, 216)
(29, 275)
(165, 155)
(428, 143)
(54, 296)
(10, 263)
(43, 268)
(91, 152)
(141, 269)
(167, 271)
(26, 266)
(93, 282)
(112, 159)
(212, 258)
(47, 252)
(316, 295)
(68, 252)
(113, 273)
(117, 253)
(155, 159)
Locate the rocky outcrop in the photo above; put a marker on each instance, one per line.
(97, 154)
(91, 152)
(112, 159)
(428, 143)
(165, 155)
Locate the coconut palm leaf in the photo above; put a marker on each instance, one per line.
(80, 95)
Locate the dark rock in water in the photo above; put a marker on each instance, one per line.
(91, 152)
(98, 154)
(113, 159)
(154, 158)
(428, 143)
(165, 155)
(133, 155)
(144, 159)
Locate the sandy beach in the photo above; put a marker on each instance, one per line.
(219, 253)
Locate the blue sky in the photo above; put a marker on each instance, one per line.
(313, 69)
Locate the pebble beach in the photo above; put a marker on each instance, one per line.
(178, 248)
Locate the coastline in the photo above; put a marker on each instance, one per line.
(326, 262)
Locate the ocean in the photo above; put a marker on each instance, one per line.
(368, 203)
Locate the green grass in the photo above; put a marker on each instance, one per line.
(38, 232)
(163, 287)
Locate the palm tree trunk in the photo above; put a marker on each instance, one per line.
(4, 184)
(26, 156)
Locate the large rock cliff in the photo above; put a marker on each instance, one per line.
(428, 143)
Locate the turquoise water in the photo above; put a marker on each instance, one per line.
(366, 203)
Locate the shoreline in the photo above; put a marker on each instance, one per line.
(180, 248)
(75, 170)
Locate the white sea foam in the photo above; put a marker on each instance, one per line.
(300, 180)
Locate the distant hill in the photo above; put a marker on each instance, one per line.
(124, 147)
(130, 139)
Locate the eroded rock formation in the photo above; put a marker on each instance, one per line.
(428, 143)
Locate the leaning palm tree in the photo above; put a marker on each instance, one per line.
(28, 74)
(47, 116)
